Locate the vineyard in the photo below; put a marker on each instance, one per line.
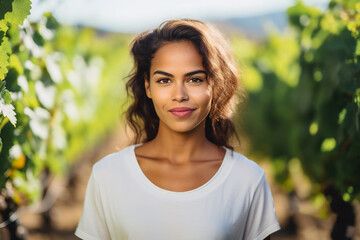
(304, 107)
(62, 92)
(60, 87)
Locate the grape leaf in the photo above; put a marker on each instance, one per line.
(6, 96)
(2, 34)
(3, 25)
(16, 64)
(8, 111)
(5, 49)
(20, 10)
(3, 29)
(2, 86)
(13, 34)
(51, 22)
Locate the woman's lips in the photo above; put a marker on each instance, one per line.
(181, 111)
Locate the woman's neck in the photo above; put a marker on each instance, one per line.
(179, 147)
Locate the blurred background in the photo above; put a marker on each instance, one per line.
(63, 67)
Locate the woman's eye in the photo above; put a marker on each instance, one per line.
(163, 80)
(195, 80)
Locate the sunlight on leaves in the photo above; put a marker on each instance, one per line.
(314, 127)
(252, 80)
(39, 119)
(342, 116)
(328, 145)
(20, 10)
(45, 94)
(5, 49)
(8, 111)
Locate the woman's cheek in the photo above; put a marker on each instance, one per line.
(160, 96)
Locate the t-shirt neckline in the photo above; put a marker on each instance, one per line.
(206, 187)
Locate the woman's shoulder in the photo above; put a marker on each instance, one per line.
(245, 167)
(113, 161)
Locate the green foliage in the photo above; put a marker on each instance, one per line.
(19, 11)
(5, 50)
(6, 109)
(57, 96)
(308, 107)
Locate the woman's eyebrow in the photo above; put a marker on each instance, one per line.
(195, 72)
(186, 75)
(163, 73)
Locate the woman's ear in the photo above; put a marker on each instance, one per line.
(147, 88)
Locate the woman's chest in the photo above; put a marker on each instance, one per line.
(179, 178)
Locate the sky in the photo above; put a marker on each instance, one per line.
(133, 16)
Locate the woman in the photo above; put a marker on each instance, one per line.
(182, 179)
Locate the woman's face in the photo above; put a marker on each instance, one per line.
(178, 87)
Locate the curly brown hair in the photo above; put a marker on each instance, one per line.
(218, 61)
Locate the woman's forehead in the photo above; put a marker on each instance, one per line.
(177, 56)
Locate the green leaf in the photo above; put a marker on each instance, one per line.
(28, 184)
(38, 39)
(357, 97)
(8, 111)
(47, 26)
(6, 96)
(51, 22)
(3, 29)
(3, 25)
(342, 116)
(16, 64)
(6, 108)
(5, 49)
(2, 34)
(14, 35)
(357, 51)
(20, 10)
(301, 15)
(2, 86)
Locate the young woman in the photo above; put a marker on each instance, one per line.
(182, 180)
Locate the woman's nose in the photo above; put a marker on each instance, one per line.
(179, 93)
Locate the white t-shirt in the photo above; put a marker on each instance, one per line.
(122, 203)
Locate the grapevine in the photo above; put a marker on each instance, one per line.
(304, 109)
(57, 99)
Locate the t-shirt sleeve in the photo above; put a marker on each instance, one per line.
(92, 225)
(261, 221)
